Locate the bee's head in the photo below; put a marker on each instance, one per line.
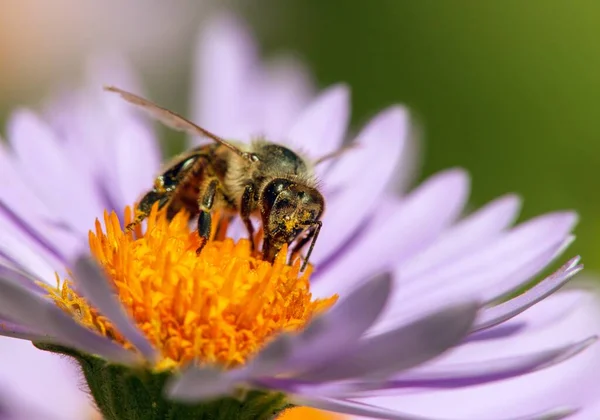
(288, 208)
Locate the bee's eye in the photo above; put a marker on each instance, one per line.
(283, 203)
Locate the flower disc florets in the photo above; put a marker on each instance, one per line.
(217, 307)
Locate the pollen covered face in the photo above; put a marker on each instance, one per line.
(219, 307)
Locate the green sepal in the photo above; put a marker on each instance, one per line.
(127, 393)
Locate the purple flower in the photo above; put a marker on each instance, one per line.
(427, 324)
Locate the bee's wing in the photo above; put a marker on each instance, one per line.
(171, 119)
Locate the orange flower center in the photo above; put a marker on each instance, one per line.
(306, 413)
(221, 306)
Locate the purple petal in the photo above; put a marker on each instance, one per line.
(552, 309)
(501, 290)
(24, 216)
(320, 129)
(22, 278)
(15, 189)
(380, 141)
(358, 408)
(410, 226)
(501, 267)
(333, 333)
(505, 311)
(49, 171)
(466, 236)
(527, 239)
(226, 64)
(287, 92)
(29, 309)
(137, 160)
(571, 383)
(111, 69)
(325, 337)
(496, 332)
(41, 385)
(477, 373)
(501, 277)
(403, 348)
(87, 136)
(16, 249)
(54, 245)
(92, 283)
(408, 167)
(199, 383)
(555, 413)
(14, 330)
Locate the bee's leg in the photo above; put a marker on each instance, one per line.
(205, 204)
(145, 206)
(222, 226)
(311, 236)
(245, 210)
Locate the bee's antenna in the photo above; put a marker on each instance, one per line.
(336, 153)
(176, 121)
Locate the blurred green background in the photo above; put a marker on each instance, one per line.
(507, 89)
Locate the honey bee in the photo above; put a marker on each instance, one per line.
(262, 179)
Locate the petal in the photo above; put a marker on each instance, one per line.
(14, 330)
(467, 374)
(14, 190)
(570, 383)
(491, 271)
(83, 123)
(320, 129)
(332, 333)
(51, 242)
(358, 408)
(226, 65)
(92, 283)
(357, 182)
(25, 253)
(410, 162)
(498, 331)
(403, 348)
(544, 314)
(526, 273)
(466, 236)
(111, 69)
(22, 209)
(40, 384)
(26, 308)
(137, 160)
(410, 226)
(22, 278)
(288, 89)
(352, 408)
(506, 310)
(324, 338)
(199, 383)
(486, 285)
(45, 165)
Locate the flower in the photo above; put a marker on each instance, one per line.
(428, 311)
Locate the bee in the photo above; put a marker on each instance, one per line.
(262, 179)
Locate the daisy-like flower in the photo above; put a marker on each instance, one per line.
(410, 309)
